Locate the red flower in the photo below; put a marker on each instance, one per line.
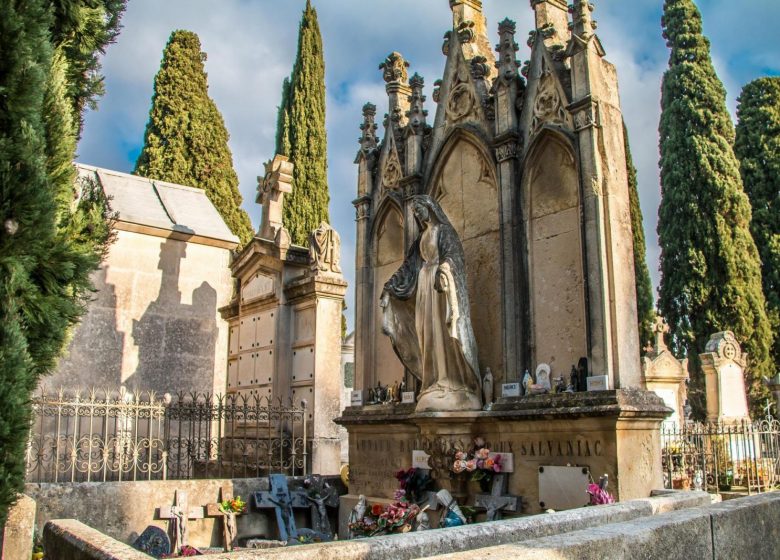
(376, 509)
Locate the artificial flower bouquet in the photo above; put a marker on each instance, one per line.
(480, 462)
(235, 505)
(397, 517)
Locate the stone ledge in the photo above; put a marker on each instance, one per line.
(477, 536)
(72, 540)
(622, 403)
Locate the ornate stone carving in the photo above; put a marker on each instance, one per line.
(506, 151)
(445, 46)
(506, 49)
(548, 107)
(460, 102)
(325, 250)
(466, 32)
(583, 24)
(271, 189)
(394, 68)
(726, 347)
(362, 208)
(393, 172)
(479, 67)
(586, 114)
(426, 314)
(436, 90)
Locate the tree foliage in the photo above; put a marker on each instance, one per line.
(644, 288)
(51, 239)
(307, 206)
(283, 121)
(758, 148)
(186, 141)
(83, 29)
(711, 277)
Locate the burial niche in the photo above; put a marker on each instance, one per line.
(388, 256)
(555, 257)
(465, 186)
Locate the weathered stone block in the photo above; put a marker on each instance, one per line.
(747, 524)
(17, 542)
(68, 539)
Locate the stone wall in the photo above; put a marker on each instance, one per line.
(122, 510)
(153, 323)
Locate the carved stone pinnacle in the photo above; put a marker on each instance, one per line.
(394, 68)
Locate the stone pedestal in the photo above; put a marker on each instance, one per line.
(612, 432)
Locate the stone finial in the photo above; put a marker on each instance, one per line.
(583, 24)
(507, 48)
(660, 328)
(271, 189)
(368, 139)
(417, 113)
(394, 69)
(325, 250)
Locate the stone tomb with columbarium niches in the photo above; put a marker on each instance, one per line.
(526, 167)
(285, 321)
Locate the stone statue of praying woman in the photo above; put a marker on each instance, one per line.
(426, 314)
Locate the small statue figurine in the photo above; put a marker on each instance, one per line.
(573, 378)
(582, 371)
(396, 393)
(423, 521)
(560, 385)
(527, 382)
(371, 396)
(487, 389)
(358, 513)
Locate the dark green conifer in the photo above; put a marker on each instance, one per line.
(644, 288)
(307, 206)
(758, 149)
(711, 276)
(283, 121)
(83, 29)
(186, 141)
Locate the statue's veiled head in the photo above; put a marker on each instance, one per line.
(426, 209)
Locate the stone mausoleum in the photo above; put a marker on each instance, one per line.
(528, 164)
(154, 323)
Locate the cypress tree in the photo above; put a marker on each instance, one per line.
(307, 206)
(186, 141)
(283, 121)
(711, 276)
(758, 148)
(644, 288)
(83, 29)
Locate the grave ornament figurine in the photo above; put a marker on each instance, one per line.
(358, 513)
(423, 520)
(487, 389)
(426, 314)
(573, 379)
(527, 382)
(454, 516)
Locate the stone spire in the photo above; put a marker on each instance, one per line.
(552, 21)
(470, 25)
(368, 140)
(506, 49)
(395, 74)
(583, 25)
(417, 113)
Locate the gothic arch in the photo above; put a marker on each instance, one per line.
(551, 209)
(463, 180)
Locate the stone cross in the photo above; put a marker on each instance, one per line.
(283, 501)
(660, 328)
(229, 529)
(498, 500)
(177, 516)
(270, 193)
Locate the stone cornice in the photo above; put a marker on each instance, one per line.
(323, 285)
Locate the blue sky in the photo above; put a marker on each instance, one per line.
(251, 47)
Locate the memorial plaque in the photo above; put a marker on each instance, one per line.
(563, 487)
(598, 383)
(356, 398)
(407, 397)
(154, 542)
(510, 390)
(420, 459)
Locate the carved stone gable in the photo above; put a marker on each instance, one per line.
(548, 106)
(392, 173)
(461, 101)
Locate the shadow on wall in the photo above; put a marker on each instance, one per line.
(94, 355)
(176, 342)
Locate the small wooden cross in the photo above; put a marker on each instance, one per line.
(498, 500)
(177, 516)
(229, 530)
(283, 501)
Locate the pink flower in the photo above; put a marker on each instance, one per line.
(458, 466)
(496, 468)
(483, 453)
(460, 455)
(471, 465)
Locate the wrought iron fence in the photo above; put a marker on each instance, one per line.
(120, 435)
(742, 456)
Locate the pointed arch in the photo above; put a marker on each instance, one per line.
(551, 204)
